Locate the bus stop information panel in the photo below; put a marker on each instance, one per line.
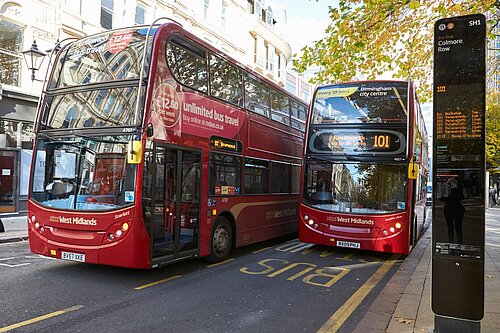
(459, 167)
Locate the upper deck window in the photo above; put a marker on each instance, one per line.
(188, 64)
(225, 81)
(106, 57)
(367, 102)
(256, 95)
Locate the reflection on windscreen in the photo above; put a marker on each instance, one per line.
(94, 108)
(359, 188)
(109, 56)
(368, 102)
(83, 174)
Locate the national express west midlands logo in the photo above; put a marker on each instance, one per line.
(279, 213)
(73, 220)
(350, 220)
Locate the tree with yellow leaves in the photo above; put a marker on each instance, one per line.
(373, 37)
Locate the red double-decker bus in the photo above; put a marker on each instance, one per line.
(365, 167)
(152, 147)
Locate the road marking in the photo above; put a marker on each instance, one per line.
(220, 263)
(7, 258)
(157, 282)
(339, 317)
(14, 266)
(261, 250)
(37, 319)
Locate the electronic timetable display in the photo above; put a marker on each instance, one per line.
(458, 210)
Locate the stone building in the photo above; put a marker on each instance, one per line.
(251, 31)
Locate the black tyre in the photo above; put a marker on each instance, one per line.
(221, 241)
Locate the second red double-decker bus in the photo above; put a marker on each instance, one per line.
(365, 167)
(152, 147)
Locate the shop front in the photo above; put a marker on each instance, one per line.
(17, 114)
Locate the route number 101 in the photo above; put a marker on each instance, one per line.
(381, 141)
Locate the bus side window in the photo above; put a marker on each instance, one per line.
(226, 81)
(225, 174)
(257, 97)
(187, 63)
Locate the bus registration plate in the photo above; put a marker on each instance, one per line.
(73, 256)
(351, 245)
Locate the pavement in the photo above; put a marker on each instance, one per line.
(404, 304)
(15, 226)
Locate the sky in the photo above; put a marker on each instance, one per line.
(307, 20)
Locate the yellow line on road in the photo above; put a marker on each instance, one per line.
(261, 250)
(37, 319)
(157, 282)
(220, 263)
(339, 317)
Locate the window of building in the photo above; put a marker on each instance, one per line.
(256, 95)
(270, 58)
(226, 81)
(74, 5)
(223, 13)
(188, 64)
(250, 6)
(206, 4)
(291, 86)
(107, 14)
(305, 95)
(225, 174)
(256, 176)
(280, 178)
(280, 107)
(258, 8)
(259, 51)
(269, 17)
(10, 52)
(16, 134)
(140, 14)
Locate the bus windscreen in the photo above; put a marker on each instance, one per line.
(367, 102)
(107, 57)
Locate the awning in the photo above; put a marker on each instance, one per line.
(17, 109)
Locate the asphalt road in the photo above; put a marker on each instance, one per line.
(277, 286)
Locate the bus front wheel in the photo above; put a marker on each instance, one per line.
(221, 241)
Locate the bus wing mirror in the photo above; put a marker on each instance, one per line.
(412, 170)
(149, 130)
(134, 152)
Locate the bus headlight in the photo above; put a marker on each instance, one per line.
(117, 231)
(38, 226)
(310, 221)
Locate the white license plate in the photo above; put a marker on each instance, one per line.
(73, 256)
(351, 245)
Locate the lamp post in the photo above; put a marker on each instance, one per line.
(34, 59)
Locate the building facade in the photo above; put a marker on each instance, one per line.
(251, 31)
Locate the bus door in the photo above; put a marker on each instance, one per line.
(176, 204)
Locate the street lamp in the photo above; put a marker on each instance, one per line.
(34, 58)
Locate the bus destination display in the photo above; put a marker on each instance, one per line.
(356, 142)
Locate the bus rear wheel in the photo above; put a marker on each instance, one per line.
(221, 240)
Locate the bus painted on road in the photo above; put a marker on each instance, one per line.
(152, 147)
(365, 167)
